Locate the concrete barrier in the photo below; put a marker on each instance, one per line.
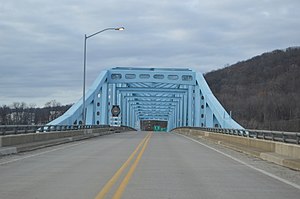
(284, 154)
(25, 142)
(12, 140)
(288, 150)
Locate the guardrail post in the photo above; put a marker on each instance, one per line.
(4, 130)
(36, 128)
(283, 137)
(16, 129)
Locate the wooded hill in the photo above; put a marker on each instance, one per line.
(19, 113)
(262, 92)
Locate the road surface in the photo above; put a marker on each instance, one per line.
(136, 165)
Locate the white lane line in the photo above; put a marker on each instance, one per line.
(246, 164)
(37, 154)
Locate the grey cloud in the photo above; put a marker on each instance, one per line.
(41, 47)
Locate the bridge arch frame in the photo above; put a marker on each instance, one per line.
(179, 96)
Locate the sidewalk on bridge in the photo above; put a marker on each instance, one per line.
(268, 155)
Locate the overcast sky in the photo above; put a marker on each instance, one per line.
(41, 41)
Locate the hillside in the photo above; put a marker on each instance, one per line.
(263, 92)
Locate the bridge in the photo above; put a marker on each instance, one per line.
(105, 146)
(173, 97)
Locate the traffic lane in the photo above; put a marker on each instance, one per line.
(175, 167)
(76, 171)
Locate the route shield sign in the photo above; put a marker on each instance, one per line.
(115, 110)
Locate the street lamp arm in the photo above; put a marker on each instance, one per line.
(121, 28)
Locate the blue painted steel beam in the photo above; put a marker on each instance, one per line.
(151, 90)
(181, 94)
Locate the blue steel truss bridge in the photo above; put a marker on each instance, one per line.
(147, 98)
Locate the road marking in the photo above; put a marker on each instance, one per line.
(37, 154)
(118, 194)
(246, 164)
(116, 176)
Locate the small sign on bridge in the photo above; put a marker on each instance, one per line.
(115, 110)
(115, 119)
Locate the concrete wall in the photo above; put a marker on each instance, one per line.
(284, 149)
(288, 150)
(264, 145)
(13, 140)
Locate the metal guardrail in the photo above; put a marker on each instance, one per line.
(23, 129)
(280, 136)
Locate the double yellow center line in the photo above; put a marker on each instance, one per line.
(118, 193)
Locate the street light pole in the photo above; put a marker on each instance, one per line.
(84, 69)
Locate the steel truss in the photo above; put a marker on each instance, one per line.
(179, 96)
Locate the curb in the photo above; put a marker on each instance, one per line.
(7, 150)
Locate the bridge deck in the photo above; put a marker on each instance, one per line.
(171, 166)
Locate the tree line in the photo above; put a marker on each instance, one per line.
(20, 113)
(263, 92)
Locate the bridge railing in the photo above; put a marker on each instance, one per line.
(23, 129)
(280, 136)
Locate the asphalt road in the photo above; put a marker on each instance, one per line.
(136, 165)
